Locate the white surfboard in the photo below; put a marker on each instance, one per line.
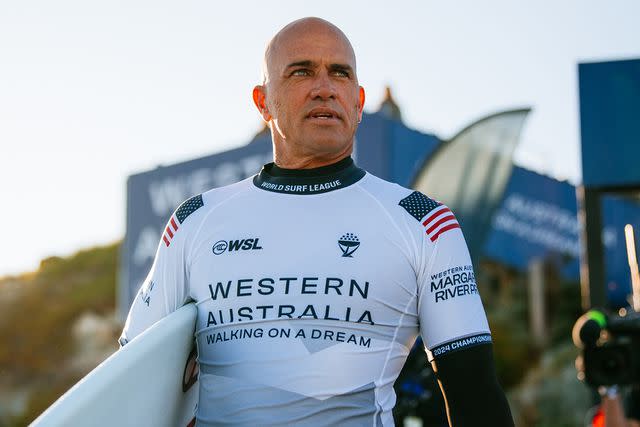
(151, 381)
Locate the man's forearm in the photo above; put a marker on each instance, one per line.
(471, 389)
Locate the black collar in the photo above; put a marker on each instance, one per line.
(308, 181)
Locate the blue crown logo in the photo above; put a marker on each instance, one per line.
(348, 244)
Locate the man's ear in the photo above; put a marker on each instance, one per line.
(260, 99)
(361, 98)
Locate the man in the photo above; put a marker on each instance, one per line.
(313, 278)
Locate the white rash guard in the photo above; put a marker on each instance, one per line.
(311, 287)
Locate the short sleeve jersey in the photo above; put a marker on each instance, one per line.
(311, 287)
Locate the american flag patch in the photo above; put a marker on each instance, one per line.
(434, 216)
(186, 208)
(169, 232)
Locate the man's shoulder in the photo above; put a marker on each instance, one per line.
(199, 205)
(385, 191)
(402, 200)
(217, 195)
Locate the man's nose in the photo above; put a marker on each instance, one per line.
(323, 87)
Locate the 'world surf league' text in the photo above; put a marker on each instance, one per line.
(304, 188)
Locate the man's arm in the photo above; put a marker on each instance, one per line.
(452, 320)
(470, 387)
(165, 289)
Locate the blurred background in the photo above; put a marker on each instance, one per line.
(112, 114)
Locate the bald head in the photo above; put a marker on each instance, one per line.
(310, 96)
(286, 39)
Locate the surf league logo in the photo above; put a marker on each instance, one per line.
(222, 246)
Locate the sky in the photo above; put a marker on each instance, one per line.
(92, 92)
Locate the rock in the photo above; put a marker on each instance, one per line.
(95, 339)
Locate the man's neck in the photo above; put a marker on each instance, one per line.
(321, 171)
(308, 162)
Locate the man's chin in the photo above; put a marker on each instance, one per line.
(328, 145)
(327, 135)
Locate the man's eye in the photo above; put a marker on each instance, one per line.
(300, 72)
(341, 73)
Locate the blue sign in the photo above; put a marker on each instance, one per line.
(610, 123)
(538, 219)
(616, 213)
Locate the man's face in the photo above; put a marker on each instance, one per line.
(311, 98)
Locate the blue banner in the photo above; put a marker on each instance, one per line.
(538, 219)
(610, 123)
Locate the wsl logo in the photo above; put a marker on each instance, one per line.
(221, 246)
(348, 244)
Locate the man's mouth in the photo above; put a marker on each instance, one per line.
(323, 114)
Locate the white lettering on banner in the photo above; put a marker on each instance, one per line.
(145, 248)
(543, 213)
(544, 223)
(166, 194)
(536, 234)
